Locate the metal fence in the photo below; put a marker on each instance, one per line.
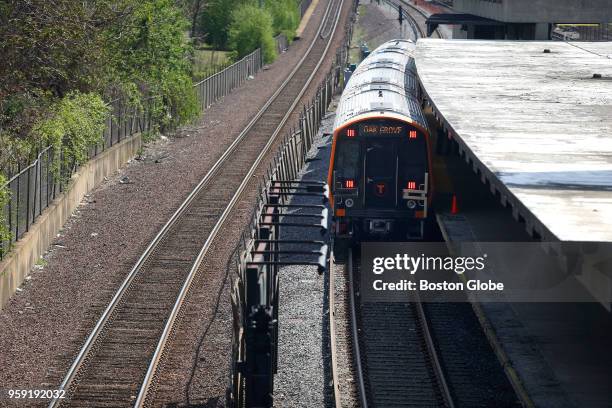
(34, 186)
(222, 83)
(281, 43)
(255, 290)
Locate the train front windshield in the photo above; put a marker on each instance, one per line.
(378, 160)
(347, 163)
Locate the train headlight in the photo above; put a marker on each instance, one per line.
(411, 204)
(349, 202)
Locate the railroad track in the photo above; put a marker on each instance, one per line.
(118, 362)
(395, 357)
(343, 370)
(414, 354)
(414, 24)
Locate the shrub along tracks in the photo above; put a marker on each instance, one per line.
(126, 341)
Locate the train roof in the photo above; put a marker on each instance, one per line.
(384, 83)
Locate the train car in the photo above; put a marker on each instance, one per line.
(380, 165)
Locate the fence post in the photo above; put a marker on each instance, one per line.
(10, 209)
(18, 199)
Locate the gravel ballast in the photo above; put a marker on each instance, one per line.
(303, 378)
(47, 320)
(202, 344)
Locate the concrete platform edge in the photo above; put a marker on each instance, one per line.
(25, 253)
(496, 345)
(306, 18)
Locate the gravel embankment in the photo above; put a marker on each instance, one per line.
(45, 323)
(204, 344)
(304, 375)
(347, 380)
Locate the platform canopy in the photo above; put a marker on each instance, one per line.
(434, 20)
(535, 119)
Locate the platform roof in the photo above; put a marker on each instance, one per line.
(536, 125)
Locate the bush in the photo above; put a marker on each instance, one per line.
(124, 49)
(251, 28)
(5, 234)
(285, 16)
(215, 21)
(74, 125)
(150, 57)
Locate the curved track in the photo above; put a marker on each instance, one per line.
(119, 359)
(414, 24)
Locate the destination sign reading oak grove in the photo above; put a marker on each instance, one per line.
(380, 130)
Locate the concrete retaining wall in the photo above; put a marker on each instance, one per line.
(16, 266)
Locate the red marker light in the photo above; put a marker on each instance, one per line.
(412, 185)
(412, 134)
(350, 132)
(349, 183)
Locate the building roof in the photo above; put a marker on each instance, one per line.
(537, 125)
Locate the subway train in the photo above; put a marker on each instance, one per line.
(380, 174)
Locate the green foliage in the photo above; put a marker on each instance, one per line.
(50, 45)
(219, 16)
(285, 16)
(151, 52)
(75, 124)
(215, 21)
(251, 27)
(13, 151)
(208, 62)
(5, 234)
(132, 50)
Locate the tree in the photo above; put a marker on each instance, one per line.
(251, 28)
(133, 49)
(216, 19)
(285, 16)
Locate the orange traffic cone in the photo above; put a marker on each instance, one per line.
(454, 209)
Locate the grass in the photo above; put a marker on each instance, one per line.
(207, 62)
(358, 38)
(355, 50)
(41, 262)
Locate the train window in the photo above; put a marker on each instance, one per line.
(346, 164)
(380, 160)
(413, 161)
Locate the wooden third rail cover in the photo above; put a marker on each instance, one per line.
(536, 123)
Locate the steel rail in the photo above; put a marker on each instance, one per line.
(98, 328)
(422, 13)
(144, 390)
(356, 353)
(446, 394)
(426, 333)
(416, 30)
(332, 333)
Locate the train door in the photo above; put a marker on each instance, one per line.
(380, 173)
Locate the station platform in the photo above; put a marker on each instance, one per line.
(557, 353)
(533, 119)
